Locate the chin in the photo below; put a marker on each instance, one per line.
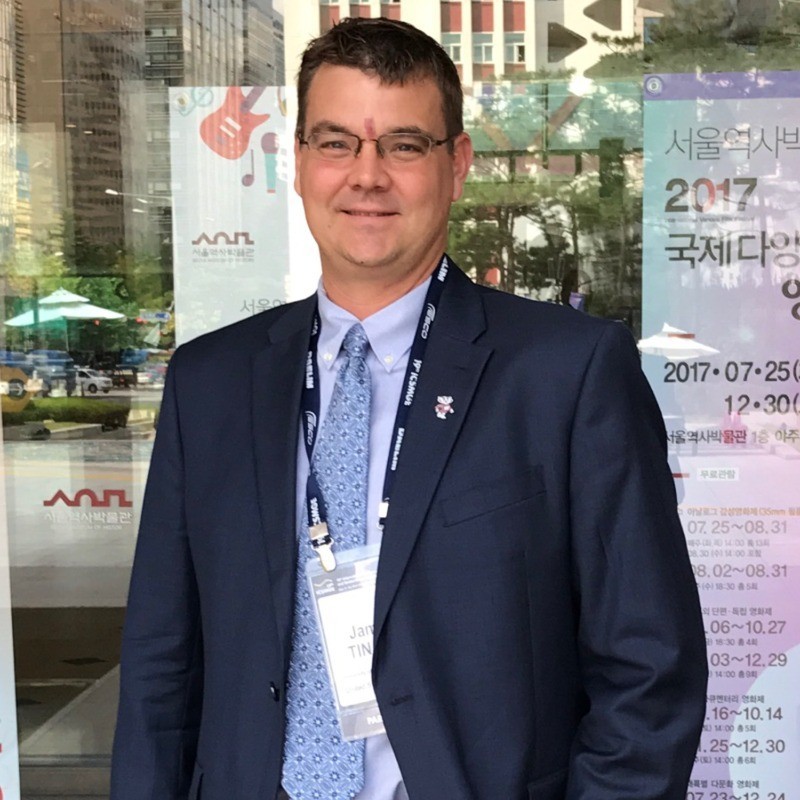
(371, 259)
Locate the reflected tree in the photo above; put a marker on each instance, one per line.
(111, 276)
(709, 36)
(553, 204)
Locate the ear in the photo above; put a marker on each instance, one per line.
(297, 158)
(462, 161)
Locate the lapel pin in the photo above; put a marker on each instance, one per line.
(444, 406)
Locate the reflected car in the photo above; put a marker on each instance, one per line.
(56, 369)
(150, 377)
(92, 381)
(11, 358)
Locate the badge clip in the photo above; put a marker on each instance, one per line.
(322, 542)
(383, 512)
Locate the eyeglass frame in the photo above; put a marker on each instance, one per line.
(381, 153)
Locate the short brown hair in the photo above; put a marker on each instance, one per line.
(393, 51)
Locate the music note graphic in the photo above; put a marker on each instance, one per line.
(249, 177)
(227, 130)
(197, 97)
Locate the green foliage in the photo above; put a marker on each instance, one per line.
(694, 22)
(483, 236)
(70, 409)
(555, 222)
(577, 239)
(709, 36)
(617, 44)
(109, 275)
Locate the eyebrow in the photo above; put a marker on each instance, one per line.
(411, 129)
(335, 127)
(328, 125)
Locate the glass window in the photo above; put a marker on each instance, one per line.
(514, 48)
(88, 302)
(452, 45)
(482, 48)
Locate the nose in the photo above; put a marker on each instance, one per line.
(368, 169)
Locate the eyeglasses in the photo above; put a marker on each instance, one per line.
(396, 148)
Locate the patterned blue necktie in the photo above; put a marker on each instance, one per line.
(318, 764)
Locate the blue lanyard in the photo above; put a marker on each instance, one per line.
(315, 502)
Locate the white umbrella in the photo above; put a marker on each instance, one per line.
(60, 296)
(62, 304)
(675, 344)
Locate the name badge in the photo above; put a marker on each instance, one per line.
(344, 602)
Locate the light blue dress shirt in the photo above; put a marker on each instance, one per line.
(391, 333)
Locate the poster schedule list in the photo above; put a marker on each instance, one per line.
(721, 321)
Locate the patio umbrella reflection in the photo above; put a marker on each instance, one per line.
(62, 304)
(675, 344)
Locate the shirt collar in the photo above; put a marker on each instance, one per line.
(390, 331)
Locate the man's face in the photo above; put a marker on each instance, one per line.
(373, 220)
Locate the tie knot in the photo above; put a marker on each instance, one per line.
(355, 342)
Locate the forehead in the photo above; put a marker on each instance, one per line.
(358, 100)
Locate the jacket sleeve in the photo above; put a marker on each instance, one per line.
(161, 664)
(640, 631)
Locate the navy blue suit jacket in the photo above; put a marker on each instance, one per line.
(537, 627)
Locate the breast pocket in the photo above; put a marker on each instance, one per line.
(486, 526)
(491, 496)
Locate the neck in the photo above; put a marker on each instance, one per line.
(365, 298)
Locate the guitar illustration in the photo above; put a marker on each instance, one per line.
(227, 130)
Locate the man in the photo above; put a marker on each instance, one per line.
(536, 634)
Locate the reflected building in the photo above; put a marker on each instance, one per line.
(280, 49)
(81, 135)
(263, 45)
(8, 166)
(485, 38)
(91, 90)
(8, 160)
(194, 42)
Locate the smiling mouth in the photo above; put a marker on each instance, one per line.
(356, 213)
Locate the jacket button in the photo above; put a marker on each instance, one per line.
(275, 692)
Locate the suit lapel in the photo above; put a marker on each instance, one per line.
(278, 372)
(453, 366)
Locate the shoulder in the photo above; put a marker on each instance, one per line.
(240, 341)
(519, 322)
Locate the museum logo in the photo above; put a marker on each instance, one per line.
(94, 501)
(238, 238)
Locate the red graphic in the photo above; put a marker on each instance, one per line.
(94, 500)
(227, 130)
(444, 406)
(238, 238)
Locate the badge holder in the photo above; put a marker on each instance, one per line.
(344, 604)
